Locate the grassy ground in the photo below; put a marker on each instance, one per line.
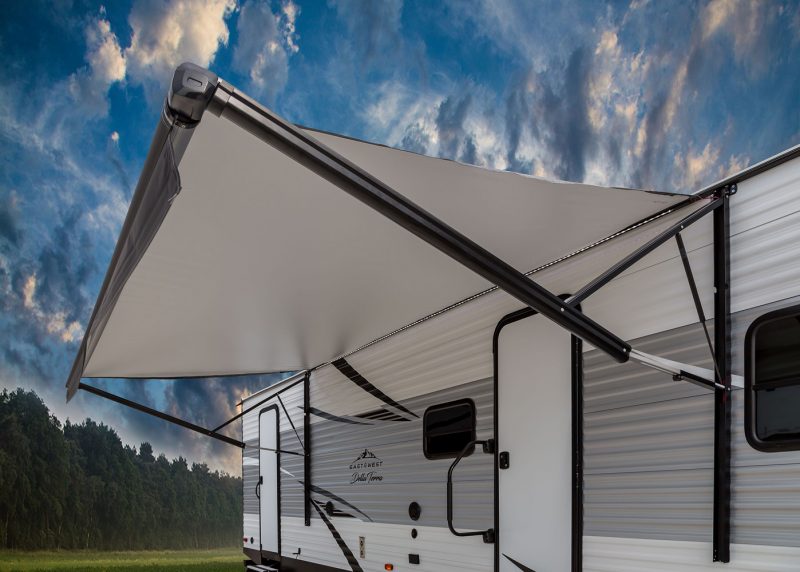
(223, 560)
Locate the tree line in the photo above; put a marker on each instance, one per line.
(77, 486)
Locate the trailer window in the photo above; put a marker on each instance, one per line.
(772, 381)
(448, 428)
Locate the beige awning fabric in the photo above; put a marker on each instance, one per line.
(260, 265)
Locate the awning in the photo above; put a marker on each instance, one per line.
(235, 258)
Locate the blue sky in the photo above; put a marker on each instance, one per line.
(659, 95)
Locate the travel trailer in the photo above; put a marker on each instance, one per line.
(493, 371)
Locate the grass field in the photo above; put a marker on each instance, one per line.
(223, 560)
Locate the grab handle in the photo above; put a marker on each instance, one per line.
(488, 447)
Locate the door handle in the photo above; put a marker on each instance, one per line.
(258, 487)
(488, 447)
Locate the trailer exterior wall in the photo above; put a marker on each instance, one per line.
(446, 357)
(648, 445)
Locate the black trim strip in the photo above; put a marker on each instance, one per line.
(577, 454)
(348, 554)
(349, 371)
(307, 439)
(337, 498)
(518, 565)
(155, 413)
(332, 417)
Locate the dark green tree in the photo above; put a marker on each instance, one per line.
(78, 486)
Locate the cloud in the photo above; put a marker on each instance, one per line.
(106, 65)
(289, 12)
(104, 54)
(697, 166)
(166, 34)
(265, 42)
(51, 292)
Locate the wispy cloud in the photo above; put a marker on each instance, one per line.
(166, 33)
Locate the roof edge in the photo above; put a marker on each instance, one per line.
(751, 171)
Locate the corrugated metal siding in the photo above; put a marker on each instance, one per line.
(661, 436)
(648, 440)
(649, 452)
(653, 298)
(609, 385)
(314, 543)
(766, 490)
(765, 232)
(438, 549)
(765, 276)
(292, 475)
(648, 444)
(602, 554)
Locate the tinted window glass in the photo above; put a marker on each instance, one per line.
(448, 428)
(774, 380)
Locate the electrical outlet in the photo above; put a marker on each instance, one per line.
(362, 547)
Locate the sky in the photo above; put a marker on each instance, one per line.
(660, 95)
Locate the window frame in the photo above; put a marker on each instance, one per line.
(750, 390)
(453, 403)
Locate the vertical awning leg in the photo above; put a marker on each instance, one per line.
(722, 397)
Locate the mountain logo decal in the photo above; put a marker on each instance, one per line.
(365, 468)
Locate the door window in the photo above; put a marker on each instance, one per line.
(448, 428)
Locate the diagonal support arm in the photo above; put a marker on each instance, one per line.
(641, 252)
(161, 415)
(701, 315)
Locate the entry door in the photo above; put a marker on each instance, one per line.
(534, 416)
(269, 459)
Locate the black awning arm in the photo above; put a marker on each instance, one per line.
(701, 315)
(641, 252)
(261, 402)
(289, 417)
(161, 415)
